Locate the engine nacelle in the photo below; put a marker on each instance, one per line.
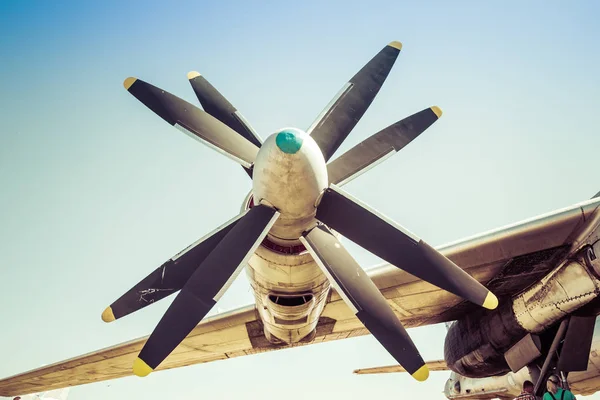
(504, 387)
(290, 293)
(475, 345)
(289, 288)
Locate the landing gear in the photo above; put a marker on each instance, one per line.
(545, 371)
(569, 350)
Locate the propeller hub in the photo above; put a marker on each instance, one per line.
(289, 174)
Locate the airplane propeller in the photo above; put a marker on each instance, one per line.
(204, 271)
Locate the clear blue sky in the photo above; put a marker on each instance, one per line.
(96, 191)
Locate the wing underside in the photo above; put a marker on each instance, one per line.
(506, 260)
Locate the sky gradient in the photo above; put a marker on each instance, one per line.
(97, 191)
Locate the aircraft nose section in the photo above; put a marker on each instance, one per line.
(289, 141)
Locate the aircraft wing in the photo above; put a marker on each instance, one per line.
(506, 260)
(436, 365)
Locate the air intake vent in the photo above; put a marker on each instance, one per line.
(290, 301)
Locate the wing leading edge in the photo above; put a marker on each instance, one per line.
(544, 241)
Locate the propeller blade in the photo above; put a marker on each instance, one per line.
(393, 243)
(342, 114)
(217, 105)
(193, 122)
(364, 298)
(169, 277)
(380, 146)
(206, 285)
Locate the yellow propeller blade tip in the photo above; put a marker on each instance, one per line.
(128, 82)
(140, 368)
(491, 301)
(396, 45)
(421, 374)
(192, 74)
(437, 111)
(107, 315)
